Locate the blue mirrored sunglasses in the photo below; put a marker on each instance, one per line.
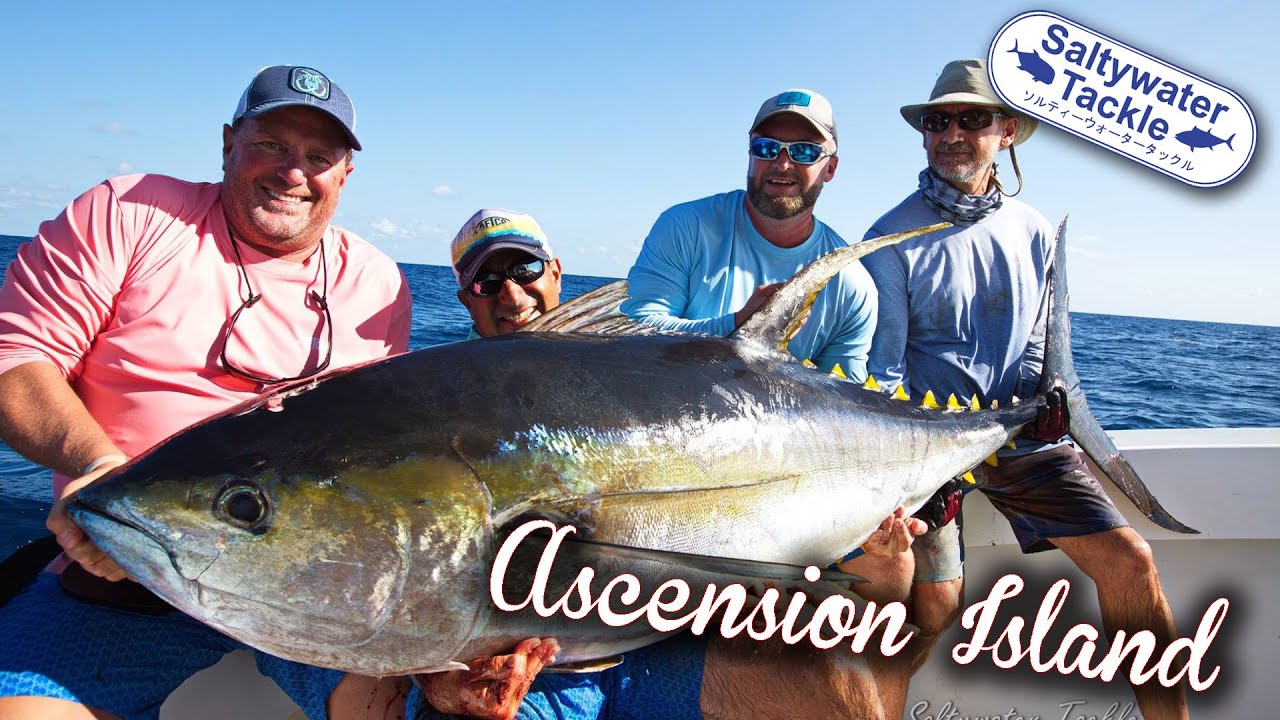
(805, 153)
(489, 284)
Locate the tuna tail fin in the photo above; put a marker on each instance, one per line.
(780, 317)
(1233, 137)
(1060, 372)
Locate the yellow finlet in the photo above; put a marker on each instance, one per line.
(1014, 400)
(871, 383)
(808, 363)
(991, 460)
(974, 405)
(953, 405)
(968, 477)
(839, 372)
(900, 394)
(995, 404)
(1012, 445)
(929, 402)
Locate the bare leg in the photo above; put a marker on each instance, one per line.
(1130, 597)
(24, 708)
(744, 678)
(359, 697)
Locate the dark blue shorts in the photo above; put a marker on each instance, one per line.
(53, 645)
(1048, 494)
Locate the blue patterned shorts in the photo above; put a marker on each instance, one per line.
(53, 645)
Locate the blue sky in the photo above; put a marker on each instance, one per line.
(596, 116)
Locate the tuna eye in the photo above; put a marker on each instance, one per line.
(243, 505)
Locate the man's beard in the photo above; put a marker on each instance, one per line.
(781, 208)
(969, 168)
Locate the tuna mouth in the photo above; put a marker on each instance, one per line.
(127, 540)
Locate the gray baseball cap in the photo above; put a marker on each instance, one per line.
(807, 104)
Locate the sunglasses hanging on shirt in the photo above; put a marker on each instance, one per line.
(320, 299)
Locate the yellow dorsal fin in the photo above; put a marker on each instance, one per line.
(839, 372)
(991, 460)
(968, 477)
(929, 402)
(974, 405)
(808, 364)
(871, 383)
(953, 405)
(900, 394)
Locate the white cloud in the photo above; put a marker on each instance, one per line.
(14, 197)
(113, 128)
(123, 168)
(443, 191)
(387, 227)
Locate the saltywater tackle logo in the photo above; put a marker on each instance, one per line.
(1123, 99)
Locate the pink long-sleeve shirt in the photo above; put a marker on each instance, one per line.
(128, 292)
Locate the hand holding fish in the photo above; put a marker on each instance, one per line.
(887, 560)
(73, 540)
(493, 687)
(757, 299)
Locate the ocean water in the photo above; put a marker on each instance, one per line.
(1138, 372)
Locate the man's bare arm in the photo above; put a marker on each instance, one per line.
(42, 419)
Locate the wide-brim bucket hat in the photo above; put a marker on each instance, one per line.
(965, 82)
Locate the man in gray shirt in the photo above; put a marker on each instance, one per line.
(963, 311)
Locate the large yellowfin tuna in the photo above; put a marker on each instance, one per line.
(352, 521)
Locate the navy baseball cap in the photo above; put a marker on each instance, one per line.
(279, 86)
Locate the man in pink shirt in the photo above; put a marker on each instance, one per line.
(150, 304)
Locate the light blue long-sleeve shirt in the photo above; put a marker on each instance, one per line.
(703, 260)
(962, 310)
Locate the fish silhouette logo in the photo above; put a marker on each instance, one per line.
(1197, 138)
(1032, 64)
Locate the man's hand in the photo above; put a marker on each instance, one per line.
(74, 542)
(894, 535)
(493, 687)
(1053, 420)
(942, 507)
(758, 298)
(887, 561)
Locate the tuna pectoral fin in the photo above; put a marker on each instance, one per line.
(734, 568)
(593, 312)
(780, 317)
(1060, 372)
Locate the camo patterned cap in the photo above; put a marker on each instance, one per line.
(965, 82)
(489, 231)
(279, 86)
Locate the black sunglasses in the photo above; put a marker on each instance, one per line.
(490, 283)
(971, 119)
(321, 300)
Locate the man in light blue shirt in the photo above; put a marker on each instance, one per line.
(708, 264)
